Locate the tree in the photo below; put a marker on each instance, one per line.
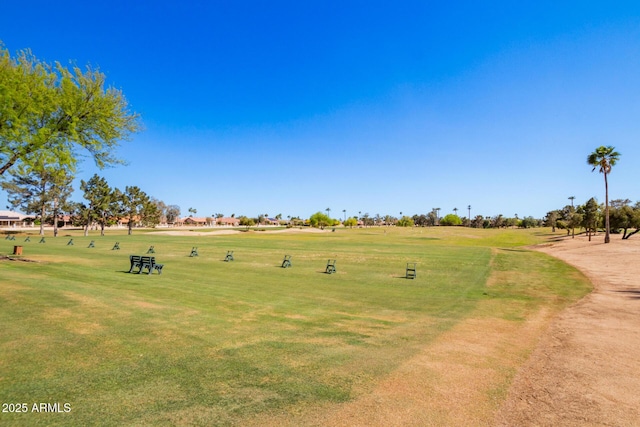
(103, 202)
(432, 217)
(498, 221)
(570, 220)
(61, 190)
(590, 212)
(624, 216)
(320, 220)
(551, 220)
(477, 222)
(366, 220)
(172, 213)
(39, 189)
(47, 110)
(450, 219)
(192, 211)
(138, 208)
(420, 220)
(604, 158)
(350, 222)
(245, 221)
(529, 222)
(405, 221)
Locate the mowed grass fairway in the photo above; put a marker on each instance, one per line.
(227, 343)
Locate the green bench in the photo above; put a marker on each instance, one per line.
(142, 262)
(229, 256)
(151, 250)
(70, 242)
(286, 263)
(116, 247)
(331, 266)
(135, 262)
(411, 270)
(91, 245)
(194, 251)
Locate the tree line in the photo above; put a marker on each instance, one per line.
(430, 219)
(36, 191)
(624, 217)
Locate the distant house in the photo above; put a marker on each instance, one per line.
(228, 222)
(14, 219)
(272, 221)
(194, 221)
(63, 220)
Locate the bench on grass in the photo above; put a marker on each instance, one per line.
(91, 245)
(331, 266)
(194, 251)
(135, 262)
(229, 256)
(151, 250)
(42, 240)
(286, 263)
(411, 270)
(116, 247)
(70, 242)
(142, 262)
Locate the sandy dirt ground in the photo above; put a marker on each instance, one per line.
(181, 231)
(586, 369)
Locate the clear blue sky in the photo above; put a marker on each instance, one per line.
(294, 107)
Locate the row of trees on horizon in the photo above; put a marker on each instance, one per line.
(47, 195)
(624, 217)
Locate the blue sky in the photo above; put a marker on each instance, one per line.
(274, 107)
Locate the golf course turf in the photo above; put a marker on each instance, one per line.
(209, 342)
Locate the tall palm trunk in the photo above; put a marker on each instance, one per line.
(606, 209)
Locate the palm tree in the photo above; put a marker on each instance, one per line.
(604, 158)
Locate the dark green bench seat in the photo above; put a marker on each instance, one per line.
(142, 262)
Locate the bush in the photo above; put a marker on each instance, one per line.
(451, 219)
(405, 221)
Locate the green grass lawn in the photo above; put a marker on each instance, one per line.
(215, 343)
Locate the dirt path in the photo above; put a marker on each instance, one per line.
(586, 369)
